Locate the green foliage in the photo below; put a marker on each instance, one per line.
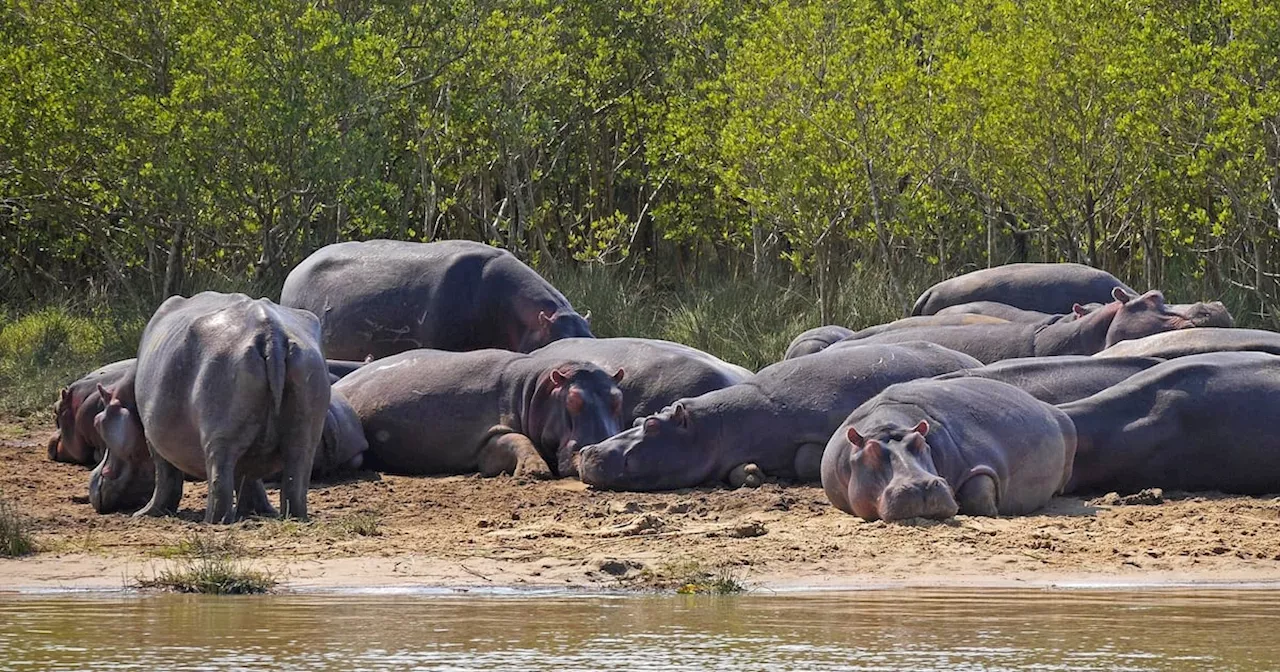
(210, 564)
(15, 535)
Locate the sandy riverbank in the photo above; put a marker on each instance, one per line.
(458, 532)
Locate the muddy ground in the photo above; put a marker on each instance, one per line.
(466, 531)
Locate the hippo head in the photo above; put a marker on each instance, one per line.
(1139, 316)
(891, 476)
(125, 477)
(577, 405)
(548, 327)
(343, 443)
(70, 444)
(1211, 314)
(661, 452)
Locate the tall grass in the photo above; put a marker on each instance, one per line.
(15, 537)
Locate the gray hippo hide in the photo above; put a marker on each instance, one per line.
(1124, 319)
(1197, 341)
(658, 372)
(775, 424)
(229, 389)
(76, 440)
(1057, 380)
(1007, 312)
(1046, 288)
(1200, 422)
(1211, 314)
(381, 297)
(340, 368)
(816, 339)
(932, 448)
(492, 411)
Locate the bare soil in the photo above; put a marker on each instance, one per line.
(465, 531)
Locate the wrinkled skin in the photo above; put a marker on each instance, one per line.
(1199, 341)
(816, 340)
(491, 411)
(228, 389)
(1046, 288)
(658, 372)
(1124, 319)
(774, 425)
(1057, 380)
(381, 297)
(932, 448)
(76, 440)
(1200, 422)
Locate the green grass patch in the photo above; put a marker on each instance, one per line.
(689, 577)
(15, 533)
(203, 546)
(209, 564)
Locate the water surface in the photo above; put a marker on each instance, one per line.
(870, 630)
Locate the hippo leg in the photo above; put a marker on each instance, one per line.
(168, 492)
(221, 466)
(977, 497)
(808, 463)
(54, 443)
(252, 500)
(513, 453)
(748, 475)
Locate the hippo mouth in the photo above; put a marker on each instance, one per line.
(926, 499)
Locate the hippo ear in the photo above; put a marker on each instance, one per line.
(921, 428)
(1079, 310)
(680, 415)
(557, 377)
(651, 425)
(854, 437)
(617, 377)
(66, 395)
(544, 319)
(368, 358)
(587, 318)
(105, 394)
(1122, 295)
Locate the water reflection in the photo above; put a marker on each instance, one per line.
(889, 630)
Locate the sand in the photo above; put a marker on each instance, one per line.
(376, 531)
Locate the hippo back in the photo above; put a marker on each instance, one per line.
(1047, 288)
(1002, 311)
(657, 372)
(1057, 380)
(1200, 340)
(816, 339)
(381, 297)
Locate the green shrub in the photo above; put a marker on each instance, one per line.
(15, 537)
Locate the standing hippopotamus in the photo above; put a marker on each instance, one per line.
(1201, 422)
(1057, 380)
(381, 297)
(76, 441)
(816, 339)
(1047, 288)
(229, 389)
(774, 424)
(930, 448)
(1197, 341)
(1124, 319)
(658, 372)
(492, 411)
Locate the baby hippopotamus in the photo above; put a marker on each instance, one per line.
(932, 448)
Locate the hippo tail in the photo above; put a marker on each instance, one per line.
(274, 348)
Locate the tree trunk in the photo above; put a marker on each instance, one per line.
(1090, 218)
(882, 237)
(173, 265)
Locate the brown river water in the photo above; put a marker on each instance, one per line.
(433, 630)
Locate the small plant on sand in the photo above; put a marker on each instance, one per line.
(362, 524)
(210, 565)
(690, 577)
(15, 538)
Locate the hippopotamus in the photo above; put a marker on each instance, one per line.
(658, 372)
(1057, 380)
(1006, 312)
(342, 441)
(381, 297)
(1200, 422)
(491, 411)
(76, 441)
(1124, 319)
(339, 368)
(918, 322)
(932, 448)
(816, 340)
(1201, 314)
(1197, 341)
(775, 424)
(228, 389)
(1046, 288)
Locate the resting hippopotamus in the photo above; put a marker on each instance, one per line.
(1201, 422)
(492, 411)
(228, 389)
(927, 321)
(774, 424)
(1197, 341)
(930, 448)
(342, 441)
(1121, 320)
(816, 339)
(1212, 314)
(1006, 312)
(1057, 380)
(76, 441)
(381, 297)
(1047, 288)
(658, 372)
(339, 368)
